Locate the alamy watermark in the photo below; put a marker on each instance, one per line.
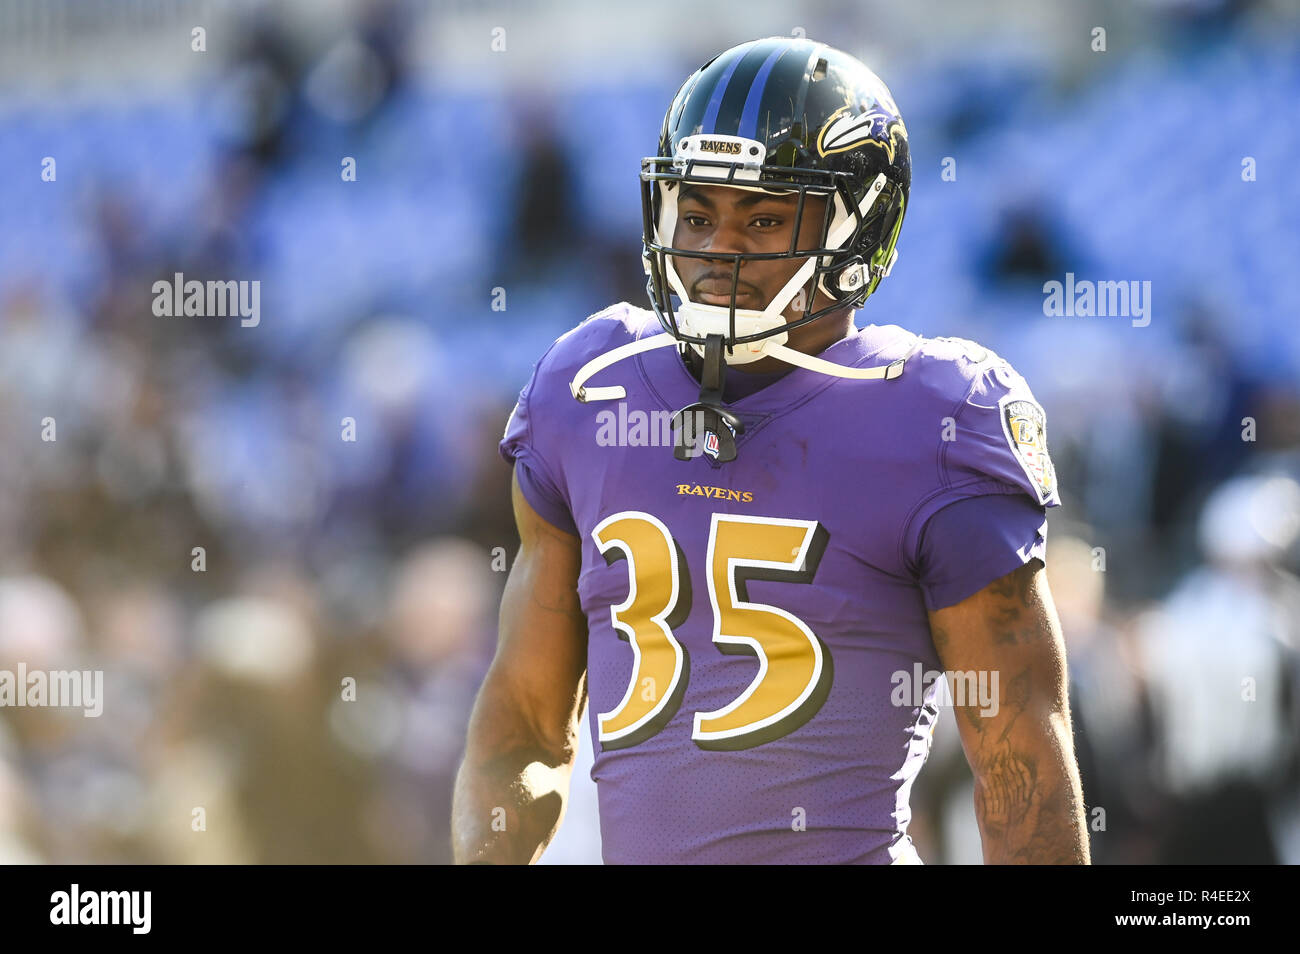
(970, 687)
(1084, 298)
(54, 689)
(638, 428)
(210, 299)
(77, 906)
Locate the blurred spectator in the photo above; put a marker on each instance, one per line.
(439, 629)
(1221, 659)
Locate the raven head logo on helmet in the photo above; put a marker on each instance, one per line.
(788, 116)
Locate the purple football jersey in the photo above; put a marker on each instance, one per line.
(747, 620)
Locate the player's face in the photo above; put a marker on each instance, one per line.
(729, 220)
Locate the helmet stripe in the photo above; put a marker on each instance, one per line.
(734, 99)
(749, 115)
(709, 123)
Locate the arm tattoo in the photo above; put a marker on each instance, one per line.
(1009, 778)
(1014, 598)
(1029, 807)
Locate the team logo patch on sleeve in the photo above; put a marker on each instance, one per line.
(1025, 425)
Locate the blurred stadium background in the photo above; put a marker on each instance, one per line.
(482, 168)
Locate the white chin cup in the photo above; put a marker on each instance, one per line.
(700, 320)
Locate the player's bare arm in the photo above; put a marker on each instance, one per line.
(513, 784)
(1028, 798)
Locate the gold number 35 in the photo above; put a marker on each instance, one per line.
(795, 671)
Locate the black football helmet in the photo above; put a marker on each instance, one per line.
(791, 115)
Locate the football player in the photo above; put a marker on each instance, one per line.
(755, 538)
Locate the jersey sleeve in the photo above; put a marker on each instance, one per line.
(538, 481)
(969, 544)
(993, 445)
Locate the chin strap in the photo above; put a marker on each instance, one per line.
(780, 352)
(600, 362)
(813, 363)
(693, 424)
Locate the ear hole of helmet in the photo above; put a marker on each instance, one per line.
(842, 280)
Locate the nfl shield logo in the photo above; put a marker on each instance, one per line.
(711, 444)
